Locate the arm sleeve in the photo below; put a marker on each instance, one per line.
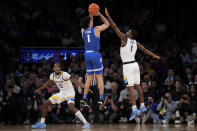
(159, 106)
(51, 77)
(66, 76)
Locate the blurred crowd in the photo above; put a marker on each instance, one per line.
(169, 84)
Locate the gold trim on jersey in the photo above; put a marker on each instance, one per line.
(61, 73)
(55, 97)
(69, 97)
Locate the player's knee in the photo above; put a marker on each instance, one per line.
(90, 77)
(71, 107)
(99, 76)
(47, 103)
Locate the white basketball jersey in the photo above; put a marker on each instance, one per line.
(127, 53)
(62, 81)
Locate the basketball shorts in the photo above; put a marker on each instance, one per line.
(62, 96)
(131, 73)
(93, 63)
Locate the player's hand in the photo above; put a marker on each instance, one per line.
(97, 14)
(90, 15)
(156, 57)
(37, 91)
(106, 12)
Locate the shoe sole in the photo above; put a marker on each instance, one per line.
(137, 119)
(38, 128)
(143, 118)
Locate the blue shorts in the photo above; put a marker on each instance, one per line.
(93, 63)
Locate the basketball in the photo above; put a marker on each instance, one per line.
(93, 8)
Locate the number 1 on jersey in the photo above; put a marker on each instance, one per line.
(88, 37)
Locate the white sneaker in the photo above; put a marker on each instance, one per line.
(137, 119)
(27, 121)
(144, 119)
(177, 122)
(190, 122)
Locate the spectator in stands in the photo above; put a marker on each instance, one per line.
(195, 80)
(177, 92)
(152, 108)
(185, 107)
(165, 108)
(146, 91)
(188, 75)
(111, 102)
(168, 87)
(125, 105)
(9, 106)
(170, 76)
(193, 98)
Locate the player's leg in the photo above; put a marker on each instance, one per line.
(139, 89)
(89, 70)
(101, 88)
(129, 79)
(98, 69)
(42, 124)
(87, 84)
(84, 102)
(74, 110)
(141, 98)
(71, 106)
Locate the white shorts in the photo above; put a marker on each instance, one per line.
(131, 73)
(62, 96)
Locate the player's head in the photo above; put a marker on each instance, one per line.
(131, 33)
(57, 68)
(86, 22)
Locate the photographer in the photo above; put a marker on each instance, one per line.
(124, 105)
(9, 107)
(152, 108)
(165, 108)
(111, 103)
(185, 108)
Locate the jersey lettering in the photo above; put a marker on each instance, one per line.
(88, 38)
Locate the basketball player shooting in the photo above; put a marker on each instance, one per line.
(64, 83)
(131, 70)
(93, 59)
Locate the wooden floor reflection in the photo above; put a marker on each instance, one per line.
(104, 127)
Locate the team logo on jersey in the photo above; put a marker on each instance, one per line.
(89, 31)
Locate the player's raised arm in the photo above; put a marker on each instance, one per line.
(121, 35)
(104, 20)
(146, 51)
(48, 83)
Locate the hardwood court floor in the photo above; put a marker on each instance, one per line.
(103, 127)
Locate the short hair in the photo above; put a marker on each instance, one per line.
(57, 64)
(84, 22)
(178, 81)
(134, 33)
(144, 82)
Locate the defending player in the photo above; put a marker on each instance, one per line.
(67, 93)
(131, 70)
(93, 59)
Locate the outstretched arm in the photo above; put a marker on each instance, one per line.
(121, 35)
(104, 20)
(48, 83)
(146, 51)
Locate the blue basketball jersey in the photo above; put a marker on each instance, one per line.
(91, 41)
